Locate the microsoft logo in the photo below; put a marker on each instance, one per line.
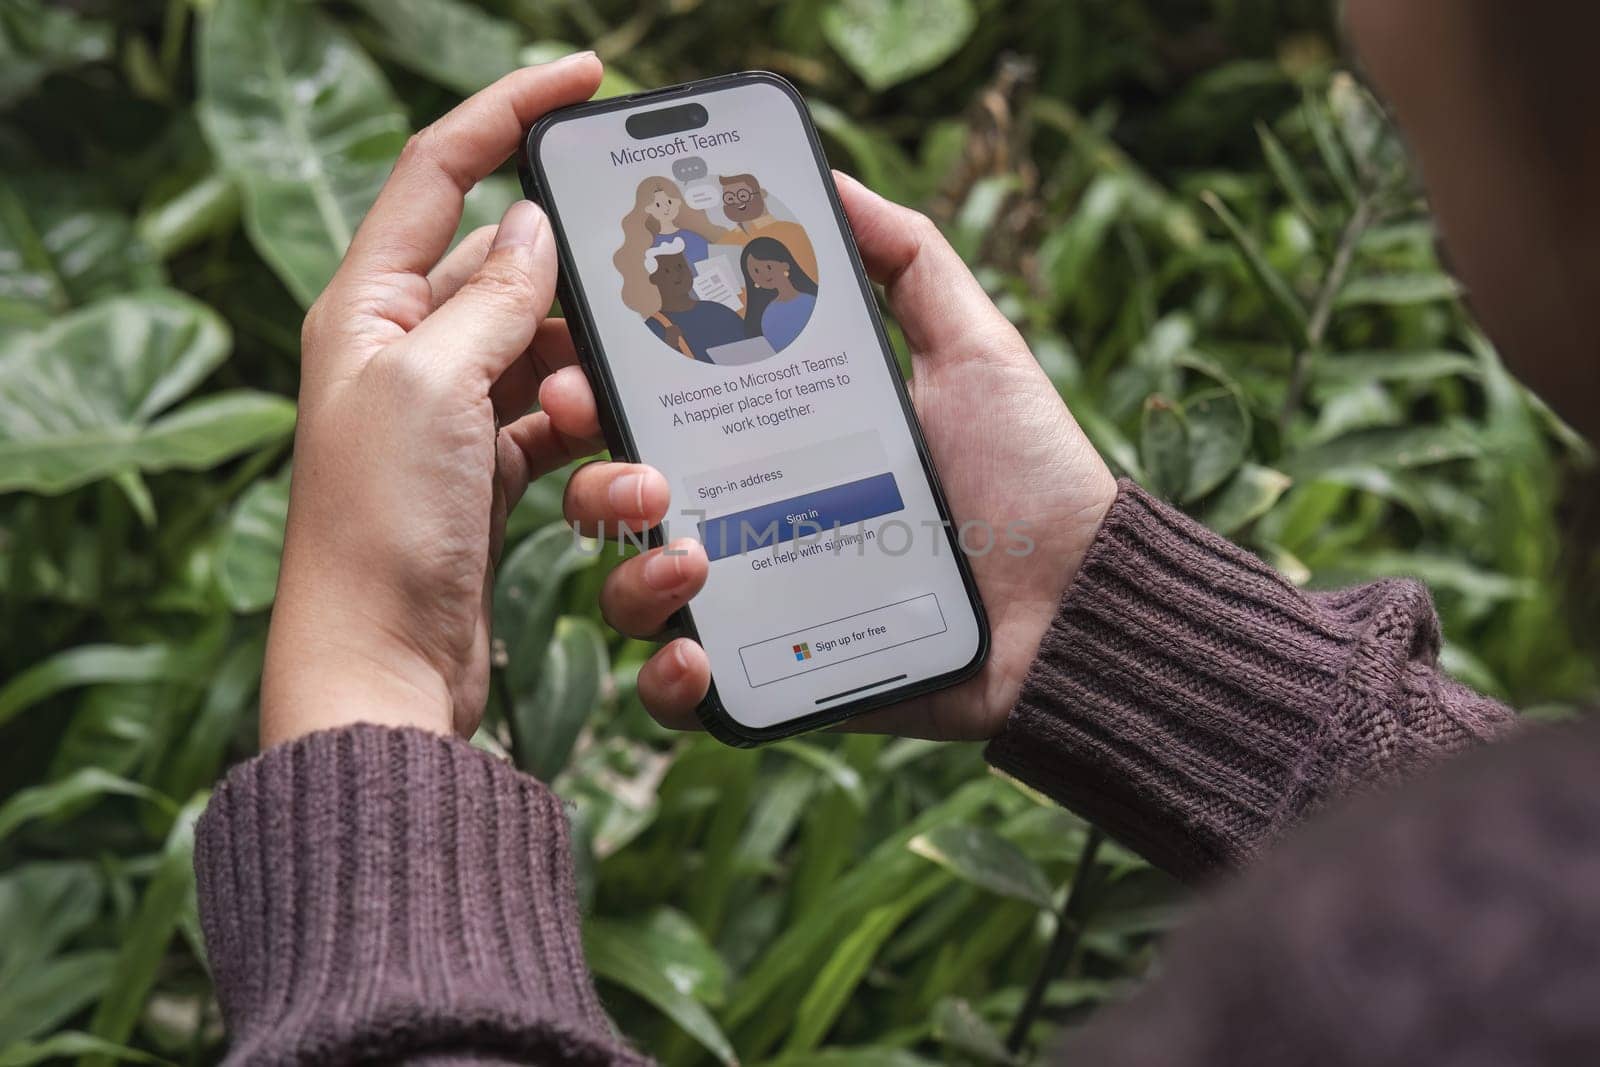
(802, 651)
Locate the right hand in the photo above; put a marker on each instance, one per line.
(1006, 448)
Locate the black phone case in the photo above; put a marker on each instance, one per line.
(569, 291)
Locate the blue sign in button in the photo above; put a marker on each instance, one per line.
(800, 516)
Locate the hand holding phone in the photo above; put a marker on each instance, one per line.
(1042, 477)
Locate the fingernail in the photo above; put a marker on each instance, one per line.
(627, 495)
(523, 223)
(676, 663)
(662, 572)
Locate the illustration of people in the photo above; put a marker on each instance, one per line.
(779, 292)
(744, 201)
(690, 325)
(660, 215)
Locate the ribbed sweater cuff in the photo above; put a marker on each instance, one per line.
(1193, 702)
(371, 892)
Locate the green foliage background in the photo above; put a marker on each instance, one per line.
(1205, 227)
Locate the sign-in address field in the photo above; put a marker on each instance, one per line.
(784, 474)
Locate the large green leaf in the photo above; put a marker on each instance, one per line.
(306, 124)
(39, 38)
(615, 954)
(887, 41)
(82, 398)
(978, 855)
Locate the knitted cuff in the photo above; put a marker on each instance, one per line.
(1193, 702)
(370, 893)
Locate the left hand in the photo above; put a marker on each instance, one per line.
(401, 478)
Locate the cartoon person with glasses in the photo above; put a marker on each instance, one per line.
(744, 201)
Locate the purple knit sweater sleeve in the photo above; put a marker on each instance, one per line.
(380, 895)
(1194, 703)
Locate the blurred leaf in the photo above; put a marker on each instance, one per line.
(305, 123)
(252, 544)
(37, 39)
(614, 954)
(59, 247)
(979, 855)
(1352, 406)
(873, 1056)
(1246, 497)
(206, 208)
(1390, 448)
(1442, 574)
(82, 398)
(1400, 366)
(1218, 435)
(42, 906)
(54, 798)
(201, 747)
(528, 587)
(836, 982)
(680, 952)
(1280, 297)
(1164, 448)
(95, 664)
(837, 771)
(888, 872)
(1398, 290)
(70, 1043)
(145, 944)
(879, 162)
(1288, 174)
(887, 41)
(456, 44)
(547, 721)
(961, 1028)
(1071, 250)
(50, 992)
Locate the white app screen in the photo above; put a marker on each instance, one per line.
(742, 350)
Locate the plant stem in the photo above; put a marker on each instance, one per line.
(1361, 219)
(1069, 931)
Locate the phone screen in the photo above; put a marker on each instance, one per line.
(743, 353)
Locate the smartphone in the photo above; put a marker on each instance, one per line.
(720, 309)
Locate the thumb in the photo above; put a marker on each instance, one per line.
(491, 320)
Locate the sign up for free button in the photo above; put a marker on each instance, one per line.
(842, 640)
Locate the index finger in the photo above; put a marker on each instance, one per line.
(417, 212)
